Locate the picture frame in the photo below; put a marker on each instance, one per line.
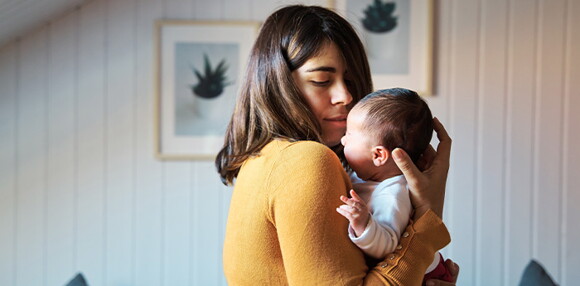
(398, 42)
(199, 66)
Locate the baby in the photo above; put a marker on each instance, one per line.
(380, 207)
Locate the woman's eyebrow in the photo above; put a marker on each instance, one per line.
(323, 68)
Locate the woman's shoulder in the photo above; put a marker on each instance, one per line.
(308, 165)
(302, 152)
(302, 145)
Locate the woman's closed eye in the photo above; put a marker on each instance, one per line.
(320, 83)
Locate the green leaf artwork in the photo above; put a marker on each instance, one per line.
(212, 82)
(379, 17)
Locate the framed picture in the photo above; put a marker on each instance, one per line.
(398, 38)
(199, 69)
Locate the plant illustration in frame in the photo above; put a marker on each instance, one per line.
(212, 82)
(379, 17)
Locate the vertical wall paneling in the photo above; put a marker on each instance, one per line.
(261, 9)
(548, 139)
(177, 224)
(31, 159)
(439, 102)
(8, 171)
(120, 108)
(179, 9)
(491, 132)
(91, 181)
(207, 204)
(226, 197)
(570, 251)
(205, 10)
(237, 10)
(463, 97)
(177, 186)
(194, 232)
(148, 170)
(522, 65)
(60, 191)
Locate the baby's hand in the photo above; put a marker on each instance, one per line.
(356, 211)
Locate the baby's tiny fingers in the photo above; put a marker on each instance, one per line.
(345, 213)
(342, 212)
(349, 209)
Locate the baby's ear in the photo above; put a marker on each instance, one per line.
(380, 155)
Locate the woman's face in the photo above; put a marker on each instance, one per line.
(324, 81)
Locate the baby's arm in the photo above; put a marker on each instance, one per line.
(382, 229)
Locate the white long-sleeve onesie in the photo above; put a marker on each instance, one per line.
(390, 207)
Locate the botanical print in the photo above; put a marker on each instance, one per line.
(205, 87)
(385, 29)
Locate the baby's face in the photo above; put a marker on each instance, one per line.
(358, 147)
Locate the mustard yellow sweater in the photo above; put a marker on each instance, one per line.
(283, 228)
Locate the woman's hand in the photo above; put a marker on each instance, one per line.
(453, 269)
(356, 211)
(427, 188)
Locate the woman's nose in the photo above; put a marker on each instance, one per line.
(341, 95)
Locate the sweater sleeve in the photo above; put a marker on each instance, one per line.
(308, 180)
(419, 243)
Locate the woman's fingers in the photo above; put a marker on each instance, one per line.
(434, 282)
(453, 269)
(411, 172)
(444, 147)
(426, 158)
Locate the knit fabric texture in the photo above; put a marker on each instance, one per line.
(283, 228)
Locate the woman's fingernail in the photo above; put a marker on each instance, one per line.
(397, 154)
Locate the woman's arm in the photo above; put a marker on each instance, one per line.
(312, 236)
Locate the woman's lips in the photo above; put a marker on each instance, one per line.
(339, 121)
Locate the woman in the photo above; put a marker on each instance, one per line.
(306, 70)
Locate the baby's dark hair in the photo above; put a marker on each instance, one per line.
(398, 118)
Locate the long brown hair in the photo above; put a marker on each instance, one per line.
(269, 105)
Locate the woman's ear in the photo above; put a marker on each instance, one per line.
(380, 155)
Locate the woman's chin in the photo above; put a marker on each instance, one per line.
(331, 142)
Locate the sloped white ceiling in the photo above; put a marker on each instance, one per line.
(18, 17)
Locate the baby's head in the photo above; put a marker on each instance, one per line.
(382, 121)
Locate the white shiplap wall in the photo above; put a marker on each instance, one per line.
(80, 189)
